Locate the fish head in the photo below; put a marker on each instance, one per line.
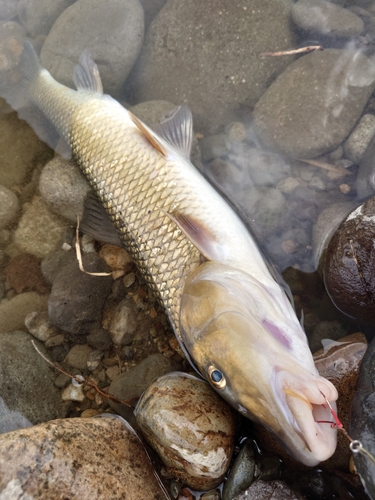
(245, 339)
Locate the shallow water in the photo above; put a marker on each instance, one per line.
(258, 169)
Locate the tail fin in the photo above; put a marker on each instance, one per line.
(28, 69)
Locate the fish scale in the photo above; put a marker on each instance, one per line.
(121, 178)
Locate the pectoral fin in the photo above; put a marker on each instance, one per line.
(152, 139)
(199, 235)
(177, 130)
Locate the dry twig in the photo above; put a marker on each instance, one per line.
(302, 50)
(79, 255)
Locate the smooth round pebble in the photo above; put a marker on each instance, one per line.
(356, 144)
(63, 188)
(319, 17)
(190, 427)
(118, 26)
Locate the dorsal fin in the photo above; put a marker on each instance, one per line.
(177, 130)
(86, 74)
(152, 139)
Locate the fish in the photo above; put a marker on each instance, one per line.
(233, 320)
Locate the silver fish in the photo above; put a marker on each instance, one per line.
(234, 320)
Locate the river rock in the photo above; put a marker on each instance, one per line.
(14, 311)
(362, 419)
(151, 8)
(26, 380)
(270, 490)
(315, 103)
(77, 457)
(8, 9)
(205, 61)
(38, 16)
(365, 181)
(17, 162)
(11, 420)
(77, 299)
(318, 17)
(39, 231)
(356, 144)
(8, 206)
(130, 385)
(54, 262)
(63, 188)
(242, 473)
(23, 274)
(349, 264)
(339, 362)
(73, 32)
(200, 454)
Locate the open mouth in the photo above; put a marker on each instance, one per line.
(309, 409)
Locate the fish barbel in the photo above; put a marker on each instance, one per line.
(233, 319)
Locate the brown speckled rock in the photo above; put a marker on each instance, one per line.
(190, 427)
(349, 264)
(339, 362)
(85, 459)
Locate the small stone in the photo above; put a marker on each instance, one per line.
(345, 188)
(14, 311)
(63, 188)
(287, 185)
(78, 356)
(55, 340)
(116, 257)
(73, 393)
(318, 17)
(91, 412)
(9, 206)
(129, 280)
(23, 273)
(236, 132)
(62, 380)
(37, 322)
(213, 147)
(93, 360)
(356, 144)
(99, 339)
(112, 372)
(272, 490)
(317, 184)
(123, 323)
(39, 231)
(242, 472)
(201, 455)
(288, 246)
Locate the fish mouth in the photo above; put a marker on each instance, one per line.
(304, 404)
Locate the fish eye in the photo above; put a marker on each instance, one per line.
(217, 379)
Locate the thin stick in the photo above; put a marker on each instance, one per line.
(82, 380)
(79, 255)
(302, 50)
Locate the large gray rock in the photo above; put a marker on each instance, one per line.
(315, 103)
(326, 18)
(111, 29)
(207, 54)
(26, 380)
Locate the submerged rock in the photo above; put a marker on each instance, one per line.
(11, 420)
(362, 419)
(270, 490)
(73, 32)
(315, 103)
(90, 458)
(190, 427)
(206, 54)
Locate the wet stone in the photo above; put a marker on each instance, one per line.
(14, 311)
(319, 17)
(356, 144)
(8, 206)
(74, 28)
(242, 472)
(11, 420)
(53, 263)
(131, 384)
(80, 455)
(78, 356)
(199, 456)
(23, 273)
(26, 380)
(293, 117)
(63, 188)
(39, 231)
(38, 324)
(271, 490)
(38, 16)
(339, 362)
(99, 339)
(123, 323)
(77, 298)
